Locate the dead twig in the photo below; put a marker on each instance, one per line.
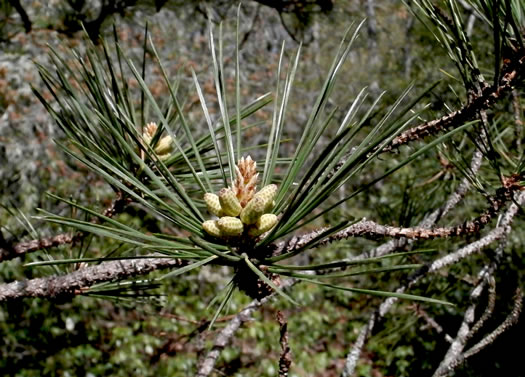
(285, 360)
(223, 338)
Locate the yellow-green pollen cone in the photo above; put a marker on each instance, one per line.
(229, 202)
(263, 224)
(267, 193)
(253, 210)
(266, 222)
(213, 204)
(241, 209)
(210, 227)
(230, 226)
(164, 146)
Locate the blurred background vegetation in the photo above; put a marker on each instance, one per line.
(161, 334)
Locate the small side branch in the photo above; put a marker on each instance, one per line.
(510, 321)
(456, 348)
(353, 356)
(10, 252)
(518, 130)
(206, 366)
(28, 25)
(431, 322)
(222, 340)
(491, 304)
(285, 361)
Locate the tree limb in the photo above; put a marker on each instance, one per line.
(511, 72)
(370, 229)
(8, 251)
(79, 281)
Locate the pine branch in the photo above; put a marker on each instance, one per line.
(79, 281)
(363, 228)
(8, 251)
(49, 287)
(512, 72)
(370, 229)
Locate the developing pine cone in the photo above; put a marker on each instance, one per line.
(241, 210)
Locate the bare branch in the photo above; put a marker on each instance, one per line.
(491, 303)
(456, 348)
(447, 260)
(511, 320)
(458, 195)
(518, 130)
(28, 25)
(495, 234)
(206, 367)
(431, 322)
(487, 274)
(353, 355)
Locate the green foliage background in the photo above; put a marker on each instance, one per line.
(145, 335)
